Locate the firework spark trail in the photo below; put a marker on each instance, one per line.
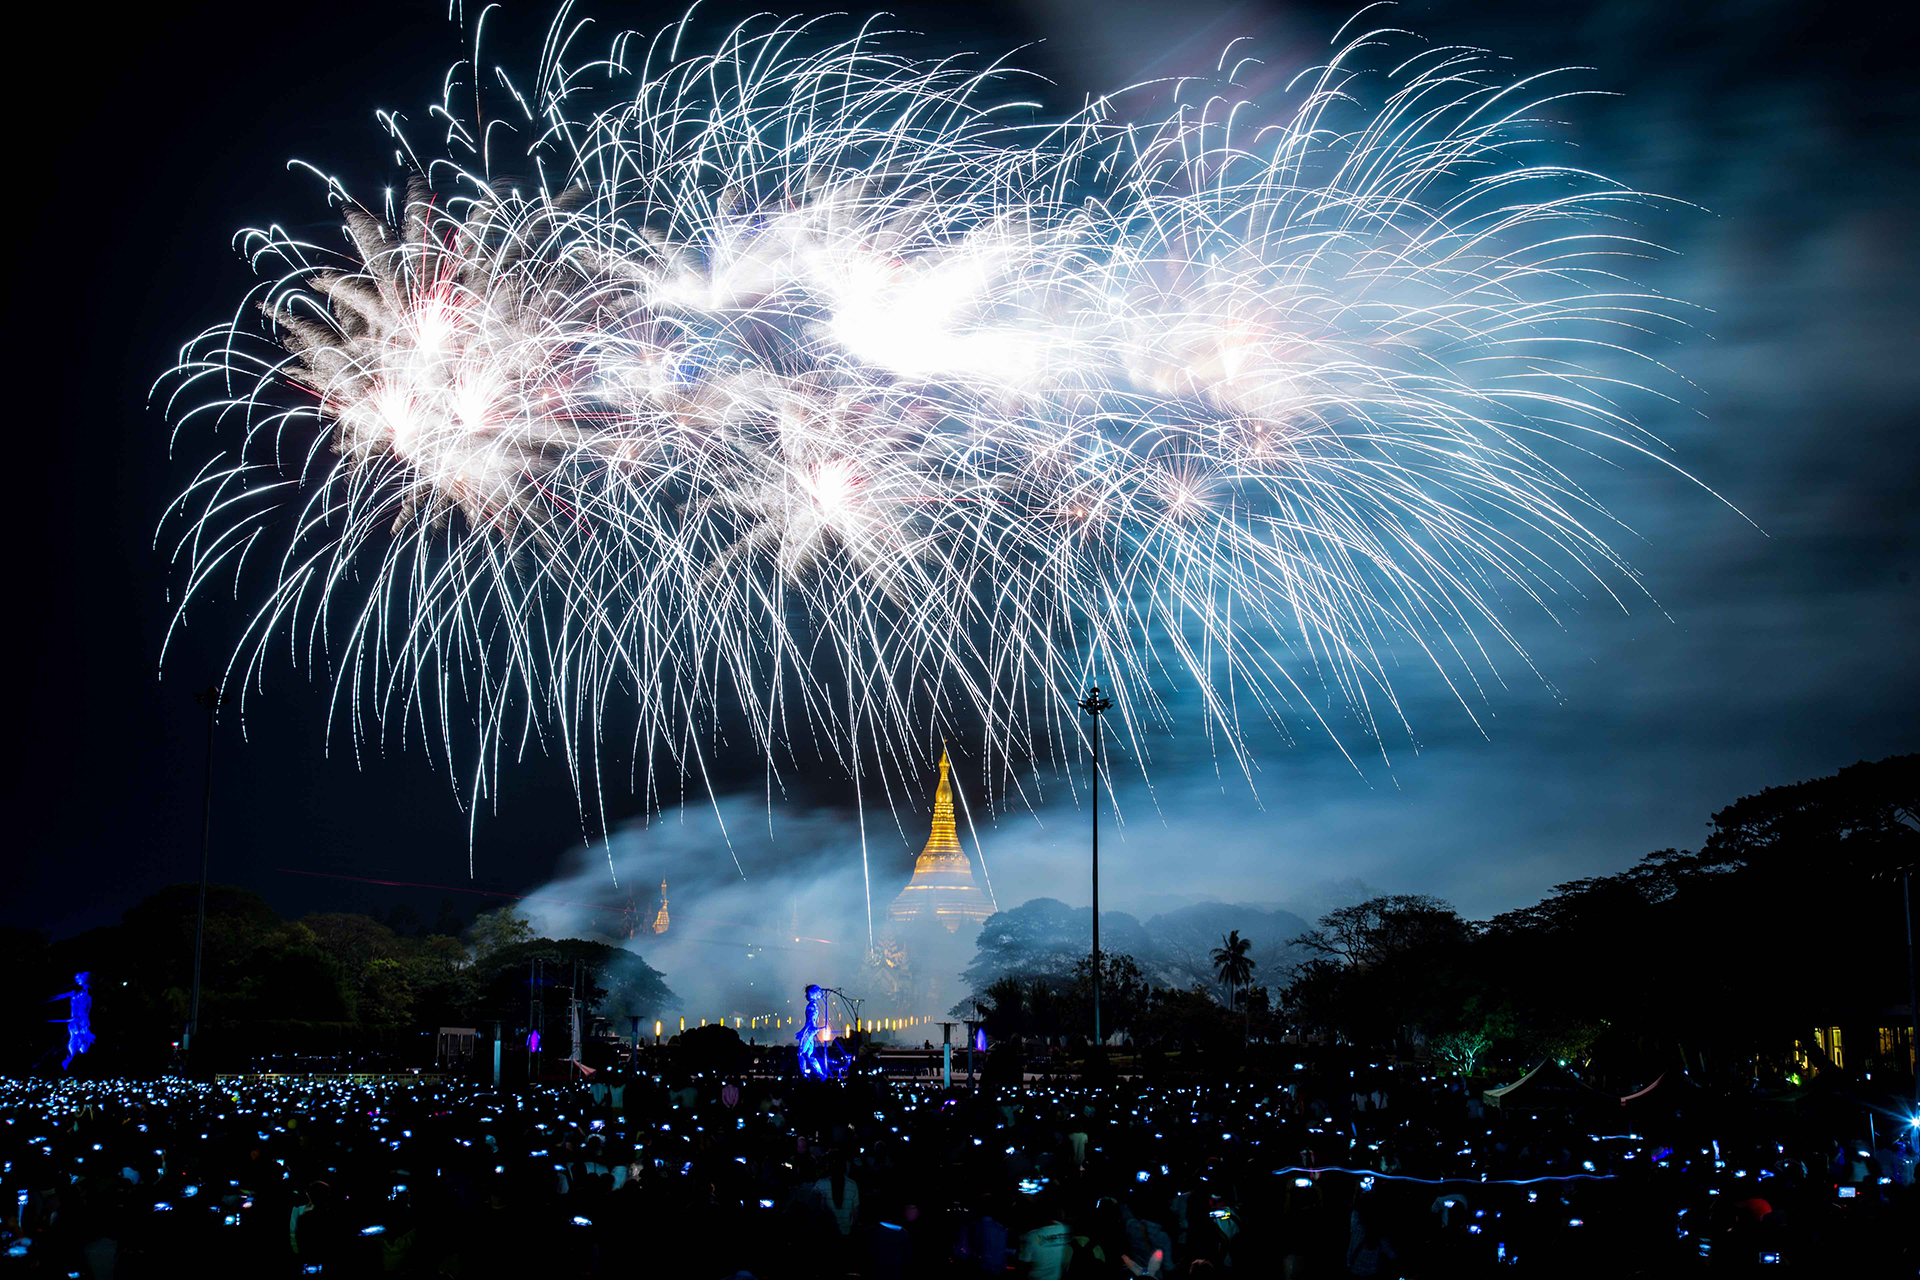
(805, 385)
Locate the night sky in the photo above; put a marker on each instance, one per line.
(1778, 650)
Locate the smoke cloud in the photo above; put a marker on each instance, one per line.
(745, 940)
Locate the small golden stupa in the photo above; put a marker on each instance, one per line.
(660, 920)
(942, 889)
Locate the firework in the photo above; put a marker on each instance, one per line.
(814, 392)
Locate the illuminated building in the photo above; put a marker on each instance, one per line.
(942, 890)
(660, 920)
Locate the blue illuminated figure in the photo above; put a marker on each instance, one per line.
(79, 1019)
(820, 1057)
(813, 1065)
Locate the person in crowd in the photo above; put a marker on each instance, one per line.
(839, 1195)
(1046, 1249)
(1369, 1251)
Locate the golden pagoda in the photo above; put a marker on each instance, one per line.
(942, 889)
(660, 917)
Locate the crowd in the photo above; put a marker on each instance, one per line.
(1384, 1173)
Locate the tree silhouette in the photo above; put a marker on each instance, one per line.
(1231, 961)
(1233, 964)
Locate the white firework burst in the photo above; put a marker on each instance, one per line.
(804, 387)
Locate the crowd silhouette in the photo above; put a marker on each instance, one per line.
(1378, 1172)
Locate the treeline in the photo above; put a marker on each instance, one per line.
(1789, 917)
(327, 982)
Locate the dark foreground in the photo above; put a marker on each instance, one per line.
(707, 1178)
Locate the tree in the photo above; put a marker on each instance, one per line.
(1006, 1013)
(1730, 979)
(447, 921)
(1461, 1048)
(1564, 1039)
(441, 974)
(1043, 937)
(1045, 1009)
(1181, 942)
(1187, 1020)
(1314, 998)
(619, 984)
(1231, 963)
(493, 931)
(1865, 818)
(1393, 969)
(1044, 941)
(1234, 967)
(1123, 994)
(1256, 1005)
(367, 954)
(1381, 928)
(1458, 1042)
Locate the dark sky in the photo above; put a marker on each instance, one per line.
(1774, 654)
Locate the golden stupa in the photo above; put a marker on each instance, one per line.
(942, 889)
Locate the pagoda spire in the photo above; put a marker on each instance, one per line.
(942, 888)
(943, 841)
(660, 919)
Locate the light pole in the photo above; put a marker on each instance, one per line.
(212, 699)
(1093, 704)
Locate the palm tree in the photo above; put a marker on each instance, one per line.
(1233, 965)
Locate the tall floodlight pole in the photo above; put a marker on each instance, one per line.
(212, 699)
(1093, 704)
